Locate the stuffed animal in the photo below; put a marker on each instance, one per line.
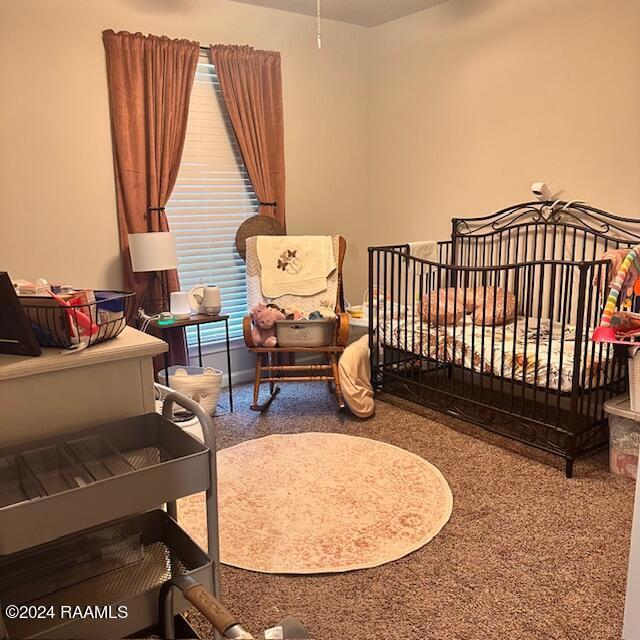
(326, 312)
(322, 313)
(293, 313)
(264, 325)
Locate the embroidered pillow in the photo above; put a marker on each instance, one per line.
(493, 306)
(447, 306)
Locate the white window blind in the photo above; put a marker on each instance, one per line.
(212, 197)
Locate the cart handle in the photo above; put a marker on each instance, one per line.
(209, 435)
(214, 611)
(211, 608)
(193, 407)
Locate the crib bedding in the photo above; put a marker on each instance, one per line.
(513, 351)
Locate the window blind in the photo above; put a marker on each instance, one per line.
(212, 197)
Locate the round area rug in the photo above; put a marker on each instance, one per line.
(325, 502)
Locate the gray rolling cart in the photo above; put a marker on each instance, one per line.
(81, 528)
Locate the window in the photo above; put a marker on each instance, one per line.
(212, 197)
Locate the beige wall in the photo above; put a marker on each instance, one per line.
(475, 99)
(57, 202)
(389, 131)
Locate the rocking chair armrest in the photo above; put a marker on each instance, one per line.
(246, 332)
(342, 330)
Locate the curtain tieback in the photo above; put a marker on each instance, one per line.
(149, 216)
(267, 204)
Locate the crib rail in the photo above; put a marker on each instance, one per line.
(439, 335)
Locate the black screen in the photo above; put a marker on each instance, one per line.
(16, 335)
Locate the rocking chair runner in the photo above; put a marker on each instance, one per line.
(278, 363)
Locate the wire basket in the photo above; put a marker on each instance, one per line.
(84, 317)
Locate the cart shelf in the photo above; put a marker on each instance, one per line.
(167, 552)
(55, 486)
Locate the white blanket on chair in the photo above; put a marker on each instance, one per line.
(425, 249)
(294, 265)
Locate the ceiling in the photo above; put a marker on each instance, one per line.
(368, 13)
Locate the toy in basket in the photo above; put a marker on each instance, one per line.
(622, 326)
(78, 318)
(619, 326)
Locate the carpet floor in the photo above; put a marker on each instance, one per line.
(526, 555)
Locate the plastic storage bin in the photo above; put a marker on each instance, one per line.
(17, 484)
(624, 437)
(304, 333)
(54, 470)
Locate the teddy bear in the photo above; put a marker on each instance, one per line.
(264, 325)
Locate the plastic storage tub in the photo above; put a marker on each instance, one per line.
(17, 484)
(624, 437)
(304, 333)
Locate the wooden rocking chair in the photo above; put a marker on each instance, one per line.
(279, 363)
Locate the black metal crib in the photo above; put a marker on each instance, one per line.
(438, 337)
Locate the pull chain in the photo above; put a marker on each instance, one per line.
(318, 16)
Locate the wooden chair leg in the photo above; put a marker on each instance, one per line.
(273, 360)
(256, 382)
(329, 382)
(336, 380)
(256, 406)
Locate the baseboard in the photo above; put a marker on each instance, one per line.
(239, 377)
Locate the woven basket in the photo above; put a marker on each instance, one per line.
(256, 226)
(202, 387)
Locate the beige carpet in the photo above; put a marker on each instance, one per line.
(325, 502)
(526, 555)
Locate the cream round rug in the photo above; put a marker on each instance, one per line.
(325, 502)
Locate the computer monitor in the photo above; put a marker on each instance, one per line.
(16, 336)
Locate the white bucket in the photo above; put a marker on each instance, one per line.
(201, 385)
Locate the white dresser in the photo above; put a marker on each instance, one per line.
(60, 391)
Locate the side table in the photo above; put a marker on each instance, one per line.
(196, 321)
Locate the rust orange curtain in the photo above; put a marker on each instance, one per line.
(251, 84)
(149, 80)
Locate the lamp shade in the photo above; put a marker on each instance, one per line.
(154, 251)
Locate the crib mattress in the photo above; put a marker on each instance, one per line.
(513, 351)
